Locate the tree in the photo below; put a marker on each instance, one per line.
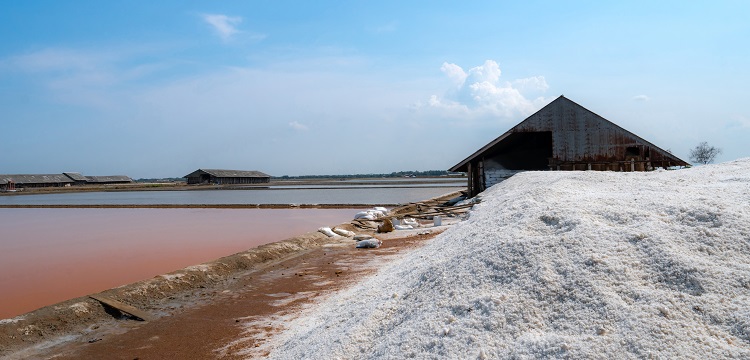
(704, 154)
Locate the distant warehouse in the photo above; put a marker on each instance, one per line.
(12, 181)
(216, 176)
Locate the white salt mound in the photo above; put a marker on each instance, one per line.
(560, 265)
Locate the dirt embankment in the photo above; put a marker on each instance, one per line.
(159, 295)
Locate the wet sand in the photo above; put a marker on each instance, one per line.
(235, 321)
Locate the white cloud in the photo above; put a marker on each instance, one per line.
(641, 98)
(479, 92)
(454, 72)
(298, 126)
(225, 26)
(534, 83)
(739, 121)
(487, 72)
(82, 76)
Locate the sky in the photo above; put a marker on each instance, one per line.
(160, 89)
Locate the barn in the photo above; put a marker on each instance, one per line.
(562, 136)
(34, 180)
(11, 182)
(223, 177)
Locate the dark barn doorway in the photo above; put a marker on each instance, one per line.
(525, 151)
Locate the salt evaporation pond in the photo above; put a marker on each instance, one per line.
(353, 195)
(51, 255)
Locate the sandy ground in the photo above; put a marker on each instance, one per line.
(225, 309)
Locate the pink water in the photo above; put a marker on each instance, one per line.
(51, 255)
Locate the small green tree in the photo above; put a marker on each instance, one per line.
(704, 153)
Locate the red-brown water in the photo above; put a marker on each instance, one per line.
(51, 255)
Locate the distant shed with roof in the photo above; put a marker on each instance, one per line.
(11, 181)
(219, 176)
(36, 180)
(562, 136)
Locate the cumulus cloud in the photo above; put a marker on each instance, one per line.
(480, 91)
(641, 98)
(298, 126)
(225, 26)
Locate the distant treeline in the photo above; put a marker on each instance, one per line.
(397, 174)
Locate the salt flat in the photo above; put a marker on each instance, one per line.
(560, 265)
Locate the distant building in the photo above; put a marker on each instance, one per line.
(216, 176)
(56, 180)
(38, 180)
(562, 136)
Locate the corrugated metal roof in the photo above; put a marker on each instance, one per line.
(21, 179)
(219, 173)
(106, 179)
(75, 176)
(578, 134)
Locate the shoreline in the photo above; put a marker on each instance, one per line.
(68, 321)
(298, 184)
(195, 206)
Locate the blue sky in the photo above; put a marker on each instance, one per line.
(159, 89)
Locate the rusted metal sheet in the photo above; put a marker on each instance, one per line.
(581, 136)
(580, 140)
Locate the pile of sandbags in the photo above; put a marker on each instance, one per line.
(371, 214)
(336, 232)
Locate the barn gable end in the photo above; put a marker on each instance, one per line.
(562, 136)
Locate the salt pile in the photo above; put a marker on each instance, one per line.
(560, 265)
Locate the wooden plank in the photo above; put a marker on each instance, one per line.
(132, 311)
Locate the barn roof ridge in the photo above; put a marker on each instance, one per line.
(557, 100)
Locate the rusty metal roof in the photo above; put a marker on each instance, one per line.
(578, 135)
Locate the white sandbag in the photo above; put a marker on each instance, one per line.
(343, 232)
(376, 213)
(412, 222)
(370, 243)
(364, 215)
(327, 231)
(381, 209)
(403, 227)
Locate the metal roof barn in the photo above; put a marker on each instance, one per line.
(221, 177)
(562, 136)
(36, 180)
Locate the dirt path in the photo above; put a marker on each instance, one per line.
(235, 322)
